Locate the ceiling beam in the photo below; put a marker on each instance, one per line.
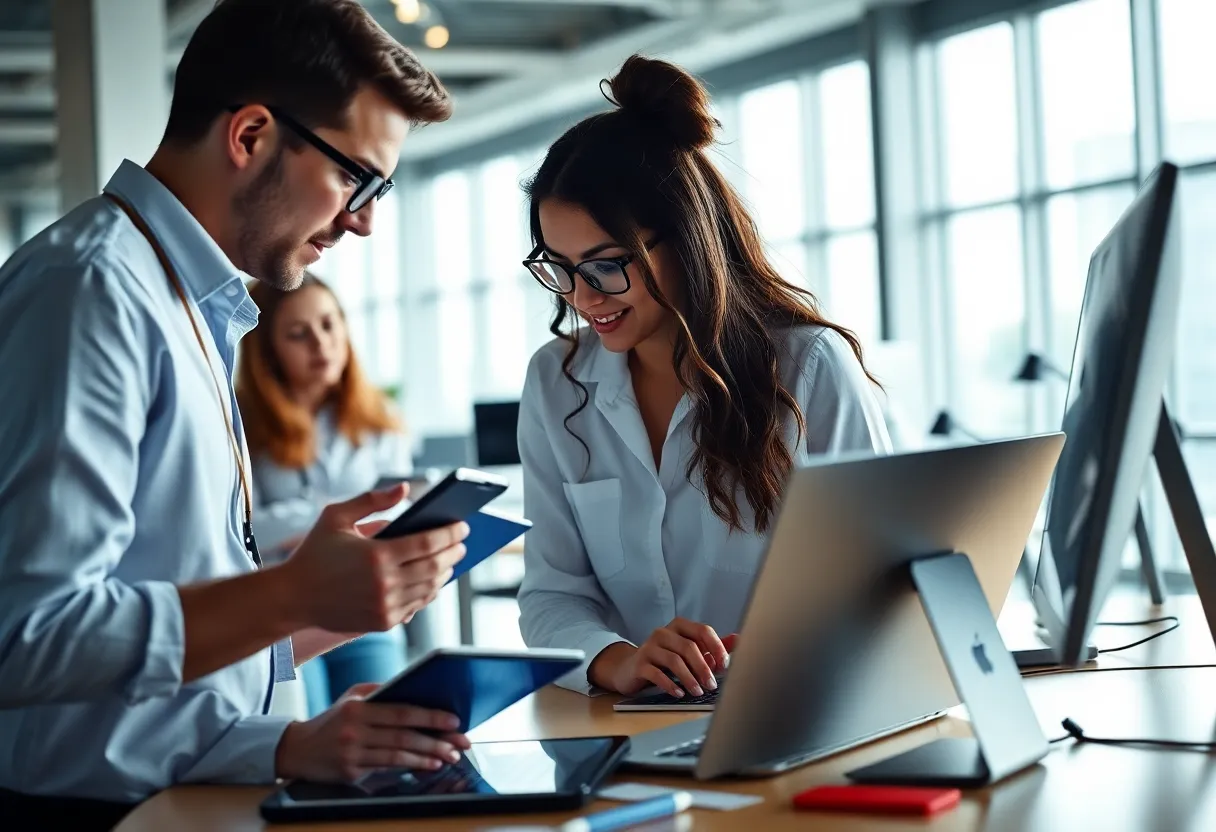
(27, 131)
(460, 62)
(658, 8)
(465, 62)
(27, 97)
(31, 59)
(479, 63)
(734, 31)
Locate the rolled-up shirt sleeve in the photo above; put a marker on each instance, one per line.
(561, 602)
(244, 754)
(78, 400)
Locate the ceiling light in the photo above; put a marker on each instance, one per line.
(436, 37)
(409, 11)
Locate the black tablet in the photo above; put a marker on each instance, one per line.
(491, 778)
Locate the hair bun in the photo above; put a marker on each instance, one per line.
(667, 98)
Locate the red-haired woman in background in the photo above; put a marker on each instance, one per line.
(318, 432)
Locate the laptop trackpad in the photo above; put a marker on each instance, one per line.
(645, 747)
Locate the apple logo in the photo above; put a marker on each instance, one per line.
(981, 657)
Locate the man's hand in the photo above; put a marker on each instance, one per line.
(345, 581)
(689, 651)
(355, 737)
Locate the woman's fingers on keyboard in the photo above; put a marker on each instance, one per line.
(700, 677)
(665, 680)
(704, 637)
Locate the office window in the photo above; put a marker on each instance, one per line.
(848, 170)
(1201, 462)
(1089, 117)
(770, 128)
(348, 275)
(386, 248)
(790, 259)
(805, 164)
(849, 284)
(454, 352)
(504, 351)
(452, 214)
(988, 314)
(345, 269)
(1079, 108)
(978, 106)
(1188, 65)
(453, 268)
(385, 303)
(852, 278)
(1076, 223)
(1195, 359)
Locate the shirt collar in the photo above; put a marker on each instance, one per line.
(594, 363)
(198, 259)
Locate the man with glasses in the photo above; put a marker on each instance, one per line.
(139, 637)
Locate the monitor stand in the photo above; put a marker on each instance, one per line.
(1192, 530)
(1188, 514)
(1007, 736)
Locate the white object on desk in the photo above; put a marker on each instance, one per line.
(720, 801)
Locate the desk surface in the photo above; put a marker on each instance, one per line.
(1089, 787)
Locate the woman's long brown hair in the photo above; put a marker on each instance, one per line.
(641, 166)
(277, 427)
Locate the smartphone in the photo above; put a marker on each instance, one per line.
(419, 484)
(454, 498)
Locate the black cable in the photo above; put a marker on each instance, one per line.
(1074, 731)
(1173, 619)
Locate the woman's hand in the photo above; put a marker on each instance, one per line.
(690, 652)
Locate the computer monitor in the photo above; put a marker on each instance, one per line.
(494, 429)
(1115, 420)
(444, 452)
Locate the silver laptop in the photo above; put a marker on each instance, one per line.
(835, 649)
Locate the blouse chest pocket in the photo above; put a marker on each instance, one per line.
(597, 510)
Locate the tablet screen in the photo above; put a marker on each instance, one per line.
(492, 768)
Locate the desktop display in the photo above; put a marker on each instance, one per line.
(1123, 352)
(494, 431)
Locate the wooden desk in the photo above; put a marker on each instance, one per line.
(1076, 788)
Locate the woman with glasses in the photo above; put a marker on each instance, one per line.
(318, 433)
(686, 381)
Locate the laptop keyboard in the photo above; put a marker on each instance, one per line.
(709, 697)
(692, 748)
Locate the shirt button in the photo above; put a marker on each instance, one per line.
(232, 291)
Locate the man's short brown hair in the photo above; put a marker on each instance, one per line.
(308, 57)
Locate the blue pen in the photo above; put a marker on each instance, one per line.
(629, 814)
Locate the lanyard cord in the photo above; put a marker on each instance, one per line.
(235, 445)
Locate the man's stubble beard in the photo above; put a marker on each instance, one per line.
(258, 208)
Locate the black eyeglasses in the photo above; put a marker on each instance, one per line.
(369, 185)
(608, 275)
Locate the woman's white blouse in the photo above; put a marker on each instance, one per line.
(618, 549)
(288, 501)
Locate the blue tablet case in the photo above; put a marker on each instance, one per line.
(475, 685)
(489, 531)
